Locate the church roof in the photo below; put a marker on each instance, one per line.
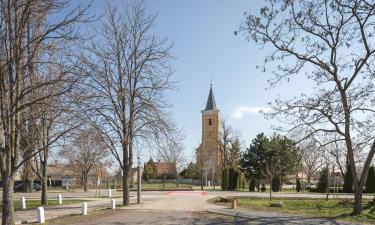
(211, 104)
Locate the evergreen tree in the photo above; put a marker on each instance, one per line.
(298, 186)
(348, 180)
(252, 184)
(323, 181)
(233, 179)
(370, 181)
(253, 159)
(149, 172)
(225, 180)
(276, 183)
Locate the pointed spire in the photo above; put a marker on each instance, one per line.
(211, 104)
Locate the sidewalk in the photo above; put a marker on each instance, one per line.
(30, 216)
(266, 217)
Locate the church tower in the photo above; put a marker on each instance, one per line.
(209, 152)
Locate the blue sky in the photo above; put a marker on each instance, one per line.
(206, 49)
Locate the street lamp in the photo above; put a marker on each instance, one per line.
(139, 181)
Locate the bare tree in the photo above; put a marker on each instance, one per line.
(172, 151)
(330, 42)
(234, 153)
(130, 74)
(26, 39)
(86, 152)
(225, 139)
(203, 164)
(56, 121)
(312, 157)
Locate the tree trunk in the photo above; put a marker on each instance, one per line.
(329, 184)
(43, 197)
(8, 207)
(126, 184)
(201, 179)
(270, 188)
(357, 202)
(29, 186)
(85, 183)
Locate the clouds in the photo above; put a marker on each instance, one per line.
(239, 112)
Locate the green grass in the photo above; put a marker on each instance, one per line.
(158, 187)
(35, 203)
(310, 207)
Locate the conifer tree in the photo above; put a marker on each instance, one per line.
(298, 186)
(323, 181)
(252, 184)
(348, 180)
(370, 181)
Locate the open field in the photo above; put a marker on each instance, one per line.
(333, 208)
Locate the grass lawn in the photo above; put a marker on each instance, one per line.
(35, 203)
(159, 187)
(333, 208)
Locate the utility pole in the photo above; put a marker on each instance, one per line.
(139, 181)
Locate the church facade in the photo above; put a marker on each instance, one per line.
(209, 154)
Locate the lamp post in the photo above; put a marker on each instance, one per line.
(139, 181)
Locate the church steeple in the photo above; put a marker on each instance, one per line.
(211, 104)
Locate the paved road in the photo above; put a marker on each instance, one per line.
(92, 193)
(170, 207)
(146, 217)
(186, 208)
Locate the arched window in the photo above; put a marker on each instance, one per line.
(209, 122)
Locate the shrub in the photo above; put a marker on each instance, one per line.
(263, 188)
(298, 186)
(276, 184)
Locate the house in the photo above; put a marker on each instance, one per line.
(164, 168)
(65, 175)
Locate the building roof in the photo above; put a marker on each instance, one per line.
(211, 104)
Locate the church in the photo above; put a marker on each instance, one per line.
(209, 154)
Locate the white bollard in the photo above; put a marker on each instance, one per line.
(109, 193)
(40, 212)
(59, 199)
(84, 208)
(113, 203)
(23, 202)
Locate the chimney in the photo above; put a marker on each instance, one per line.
(56, 162)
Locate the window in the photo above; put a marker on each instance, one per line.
(209, 122)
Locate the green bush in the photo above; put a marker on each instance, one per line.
(298, 186)
(276, 184)
(323, 181)
(263, 188)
